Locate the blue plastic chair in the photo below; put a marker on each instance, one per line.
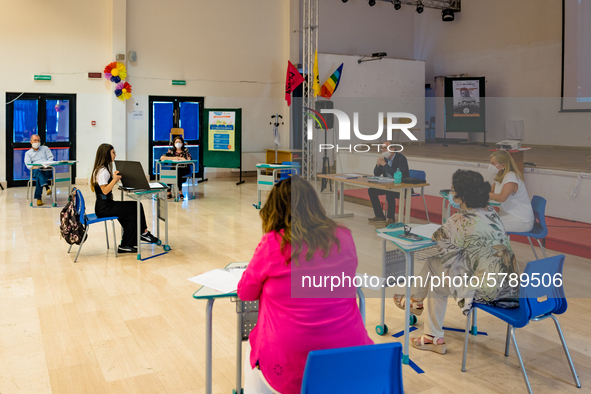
(540, 230)
(422, 176)
(535, 304)
(89, 219)
(287, 173)
(358, 369)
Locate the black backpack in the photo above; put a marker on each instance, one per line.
(71, 229)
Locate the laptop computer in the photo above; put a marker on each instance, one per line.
(133, 176)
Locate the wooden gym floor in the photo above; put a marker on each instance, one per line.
(118, 325)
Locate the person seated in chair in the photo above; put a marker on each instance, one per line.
(36, 155)
(386, 166)
(178, 151)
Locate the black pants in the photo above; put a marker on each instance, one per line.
(183, 171)
(374, 196)
(126, 211)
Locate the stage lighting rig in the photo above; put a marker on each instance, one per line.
(374, 56)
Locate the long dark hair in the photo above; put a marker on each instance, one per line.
(294, 207)
(471, 188)
(180, 138)
(102, 159)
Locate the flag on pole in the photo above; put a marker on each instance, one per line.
(316, 85)
(332, 83)
(292, 81)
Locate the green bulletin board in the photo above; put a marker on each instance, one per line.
(222, 137)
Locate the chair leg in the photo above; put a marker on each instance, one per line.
(81, 243)
(106, 234)
(532, 248)
(508, 340)
(570, 361)
(541, 247)
(70, 248)
(425, 204)
(520, 361)
(474, 328)
(114, 238)
(467, 334)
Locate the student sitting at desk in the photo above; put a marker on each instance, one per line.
(472, 242)
(516, 212)
(386, 166)
(178, 151)
(102, 182)
(36, 155)
(298, 236)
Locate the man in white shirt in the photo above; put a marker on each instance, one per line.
(36, 155)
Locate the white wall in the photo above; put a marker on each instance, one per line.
(554, 186)
(355, 28)
(517, 46)
(231, 52)
(65, 40)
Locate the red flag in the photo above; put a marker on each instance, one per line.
(292, 81)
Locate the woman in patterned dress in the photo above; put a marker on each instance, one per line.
(473, 246)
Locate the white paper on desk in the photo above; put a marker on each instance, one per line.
(155, 185)
(218, 279)
(425, 230)
(48, 163)
(349, 176)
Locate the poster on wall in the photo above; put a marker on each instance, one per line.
(221, 130)
(466, 96)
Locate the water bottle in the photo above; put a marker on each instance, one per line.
(398, 176)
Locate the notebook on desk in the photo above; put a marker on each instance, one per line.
(133, 176)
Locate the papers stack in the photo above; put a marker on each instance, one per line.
(349, 176)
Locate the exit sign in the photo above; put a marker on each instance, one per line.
(42, 77)
(178, 82)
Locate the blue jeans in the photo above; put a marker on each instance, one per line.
(41, 178)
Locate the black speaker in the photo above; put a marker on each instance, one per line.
(325, 104)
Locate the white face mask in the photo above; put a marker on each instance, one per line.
(36, 145)
(492, 169)
(386, 153)
(178, 145)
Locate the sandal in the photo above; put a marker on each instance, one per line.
(169, 195)
(416, 307)
(419, 343)
(181, 196)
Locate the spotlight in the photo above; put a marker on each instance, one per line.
(372, 3)
(397, 4)
(420, 7)
(447, 15)
(344, 1)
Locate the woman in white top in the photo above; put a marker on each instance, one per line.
(102, 182)
(516, 212)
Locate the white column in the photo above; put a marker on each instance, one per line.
(119, 115)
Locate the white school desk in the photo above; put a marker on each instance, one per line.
(266, 182)
(404, 189)
(57, 177)
(243, 327)
(172, 174)
(161, 214)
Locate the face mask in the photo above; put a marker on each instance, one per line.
(36, 145)
(492, 169)
(178, 145)
(450, 198)
(386, 153)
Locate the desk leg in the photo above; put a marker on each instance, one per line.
(53, 186)
(166, 245)
(401, 209)
(208, 340)
(336, 199)
(342, 198)
(193, 168)
(408, 204)
(383, 293)
(341, 204)
(405, 354)
(30, 190)
(139, 231)
(239, 349)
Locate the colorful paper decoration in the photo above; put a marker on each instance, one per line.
(123, 91)
(115, 72)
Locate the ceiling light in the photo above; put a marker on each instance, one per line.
(397, 4)
(420, 7)
(344, 1)
(372, 3)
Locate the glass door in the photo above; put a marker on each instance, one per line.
(168, 112)
(52, 117)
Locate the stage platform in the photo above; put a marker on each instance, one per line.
(565, 236)
(544, 157)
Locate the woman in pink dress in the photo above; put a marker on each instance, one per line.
(300, 245)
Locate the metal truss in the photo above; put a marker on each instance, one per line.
(310, 43)
(454, 5)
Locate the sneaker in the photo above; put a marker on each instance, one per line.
(149, 238)
(48, 191)
(126, 249)
(39, 202)
(376, 219)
